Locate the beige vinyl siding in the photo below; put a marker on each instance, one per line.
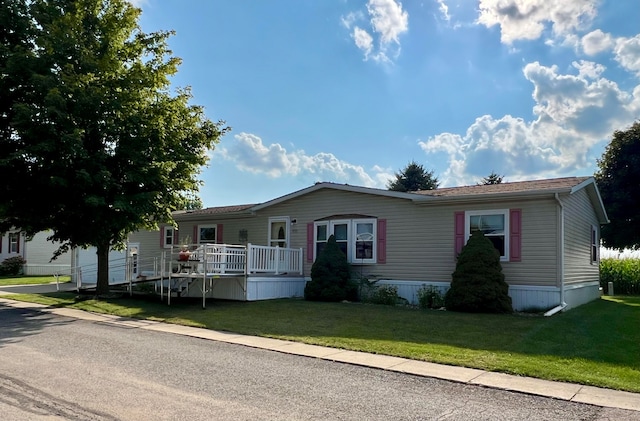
(420, 236)
(579, 218)
(149, 243)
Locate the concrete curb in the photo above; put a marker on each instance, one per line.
(557, 390)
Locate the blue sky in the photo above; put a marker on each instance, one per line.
(351, 91)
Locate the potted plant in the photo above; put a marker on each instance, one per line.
(184, 254)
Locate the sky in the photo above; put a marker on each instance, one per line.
(351, 91)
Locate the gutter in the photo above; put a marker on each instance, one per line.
(562, 305)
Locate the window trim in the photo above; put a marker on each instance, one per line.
(351, 238)
(200, 227)
(165, 236)
(595, 245)
(287, 231)
(507, 232)
(11, 243)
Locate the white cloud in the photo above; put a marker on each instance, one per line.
(627, 52)
(573, 113)
(363, 40)
(596, 42)
(527, 19)
(444, 10)
(388, 22)
(250, 154)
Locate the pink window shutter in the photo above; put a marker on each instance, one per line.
(162, 232)
(382, 241)
(458, 232)
(219, 237)
(515, 235)
(310, 242)
(18, 243)
(195, 239)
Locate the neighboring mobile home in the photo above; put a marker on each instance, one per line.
(547, 233)
(37, 252)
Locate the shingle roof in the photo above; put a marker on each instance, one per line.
(551, 185)
(218, 210)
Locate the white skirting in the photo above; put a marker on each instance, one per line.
(524, 297)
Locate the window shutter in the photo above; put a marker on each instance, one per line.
(458, 232)
(195, 239)
(382, 241)
(1, 239)
(175, 237)
(18, 242)
(515, 234)
(310, 242)
(219, 238)
(162, 231)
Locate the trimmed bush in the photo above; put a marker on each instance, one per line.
(385, 294)
(478, 284)
(12, 266)
(624, 273)
(331, 276)
(430, 297)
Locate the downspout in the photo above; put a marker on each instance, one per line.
(560, 261)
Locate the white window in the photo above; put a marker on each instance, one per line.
(594, 244)
(495, 226)
(14, 242)
(355, 237)
(169, 235)
(207, 234)
(279, 232)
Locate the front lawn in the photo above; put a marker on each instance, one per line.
(31, 280)
(596, 344)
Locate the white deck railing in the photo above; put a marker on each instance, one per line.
(229, 259)
(276, 260)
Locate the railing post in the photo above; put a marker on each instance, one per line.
(277, 259)
(300, 261)
(249, 266)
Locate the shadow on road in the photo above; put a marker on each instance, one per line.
(16, 323)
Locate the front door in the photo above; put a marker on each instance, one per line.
(133, 259)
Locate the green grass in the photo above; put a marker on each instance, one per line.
(30, 280)
(595, 344)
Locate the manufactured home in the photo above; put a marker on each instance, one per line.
(546, 231)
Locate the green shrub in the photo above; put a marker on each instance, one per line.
(331, 276)
(623, 273)
(430, 297)
(478, 284)
(385, 294)
(12, 265)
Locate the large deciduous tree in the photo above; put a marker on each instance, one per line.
(618, 179)
(413, 178)
(94, 142)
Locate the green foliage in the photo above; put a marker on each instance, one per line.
(430, 297)
(478, 283)
(413, 178)
(624, 273)
(617, 179)
(331, 276)
(385, 294)
(12, 265)
(492, 178)
(90, 121)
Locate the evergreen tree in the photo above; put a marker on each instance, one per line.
(330, 276)
(478, 284)
(413, 178)
(492, 178)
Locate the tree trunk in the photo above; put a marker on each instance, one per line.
(102, 287)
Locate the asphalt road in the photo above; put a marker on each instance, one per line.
(57, 368)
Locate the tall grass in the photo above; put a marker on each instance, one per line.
(623, 273)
